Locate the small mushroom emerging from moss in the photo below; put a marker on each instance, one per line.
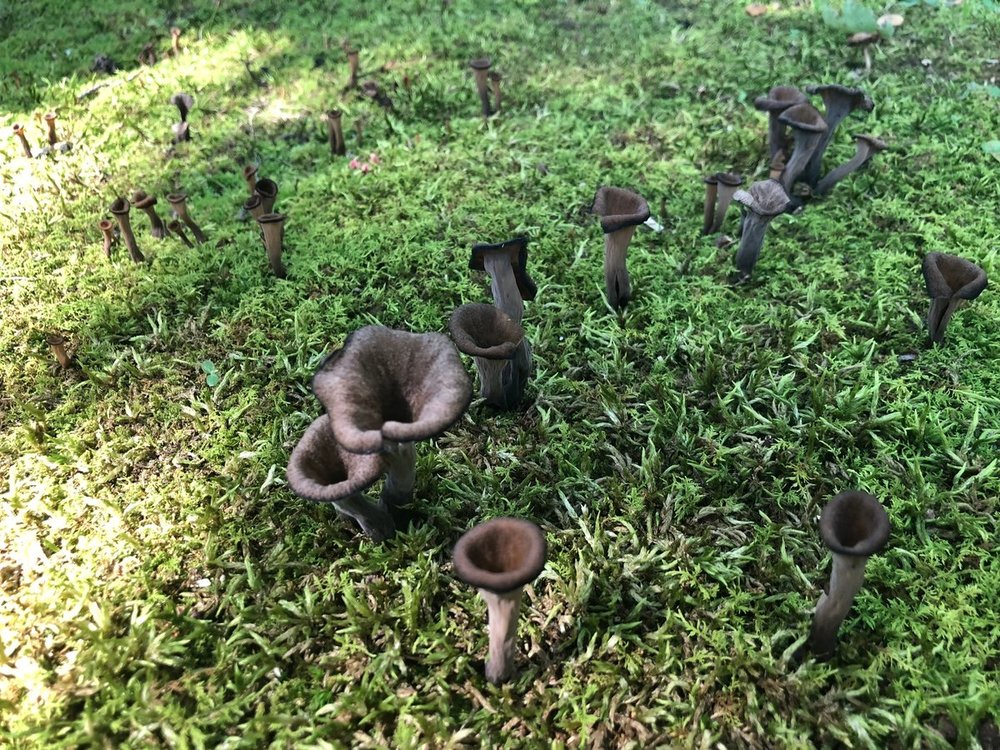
(19, 132)
(838, 102)
(267, 189)
(386, 389)
(120, 210)
(719, 190)
(272, 226)
(320, 470)
(854, 526)
(864, 40)
(178, 202)
(620, 211)
(175, 39)
(866, 147)
(50, 120)
(480, 69)
(250, 175)
(774, 102)
(336, 133)
(492, 338)
(178, 229)
(951, 282)
(807, 127)
(495, 79)
(57, 345)
(148, 54)
(353, 58)
(500, 557)
(108, 231)
(506, 263)
(761, 203)
(147, 203)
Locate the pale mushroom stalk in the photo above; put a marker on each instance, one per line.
(107, 229)
(866, 146)
(177, 228)
(808, 128)
(19, 132)
(480, 69)
(273, 228)
(761, 203)
(178, 201)
(120, 209)
(951, 283)
(774, 102)
(499, 558)
(854, 526)
(504, 286)
(147, 204)
(838, 101)
(621, 211)
(50, 120)
(175, 39)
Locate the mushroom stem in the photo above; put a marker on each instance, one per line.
(726, 193)
(503, 611)
(711, 195)
(865, 149)
(119, 210)
(495, 79)
(481, 69)
(177, 228)
(352, 65)
(942, 308)
(336, 133)
(272, 226)
(50, 120)
(616, 279)
(267, 189)
(107, 229)
(502, 381)
(148, 206)
(58, 346)
(775, 134)
(178, 201)
(402, 475)
(751, 241)
(373, 518)
(175, 39)
(806, 144)
(845, 581)
(254, 207)
(506, 295)
(19, 132)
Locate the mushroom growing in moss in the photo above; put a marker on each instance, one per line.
(147, 203)
(774, 102)
(250, 175)
(353, 58)
(480, 69)
(951, 282)
(120, 210)
(107, 230)
(719, 190)
(500, 557)
(620, 211)
(807, 127)
(57, 345)
(18, 130)
(177, 228)
(178, 202)
(320, 470)
(50, 120)
(385, 389)
(492, 338)
(838, 102)
(335, 132)
(854, 526)
(865, 149)
(761, 203)
(272, 227)
(267, 189)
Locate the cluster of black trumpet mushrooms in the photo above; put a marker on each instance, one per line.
(54, 144)
(121, 209)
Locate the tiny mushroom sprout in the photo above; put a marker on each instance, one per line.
(719, 190)
(19, 132)
(178, 202)
(320, 470)
(272, 227)
(854, 526)
(621, 211)
(807, 128)
(489, 335)
(838, 101)
(499, 558)
(866, 146)
(177, 228)
(480, 69)
(147, 203)
(761, 203)
(120, 209)
(385, 389)
(774, 102)
(951, 282)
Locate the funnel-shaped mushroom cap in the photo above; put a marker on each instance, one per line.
(517, 250)
(764, 198)
(779, 98)
(840, 97)
(619, 208)
(854, 523)
(482, 330)
(183, 102)
(480, 63)
(392, 385)
(120, 207)
(500, 555)
(142, 201)
(951, 276)
(322, 471)
(730, 179)
(804, 117)
(106, 225)
(178, 201)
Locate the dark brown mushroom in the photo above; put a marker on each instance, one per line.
(838, 102)
(854, 526)
(254, 206)
(495, 79)
(175, 40)
(267, 189)
(272, 227)
(107, 229)
(506, 263)
(866, 147)
(620, 211)
(480, 69)
(353, 58)
(719, 190)
(493, 339)
(178, 202)
(774, 102)
(761, 203)
(57, 345)
(120, 210)
(336, 133)
(500, 557)
(50, 120)
(250, 175)
(807, 128)
(951, 283)
(147, 204)
(19, 132)
(178, 229)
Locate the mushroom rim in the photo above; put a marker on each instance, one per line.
(536, 555)
(347, 487)
(611, 223)
(877, 539)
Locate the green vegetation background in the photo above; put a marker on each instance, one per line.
(160, 585)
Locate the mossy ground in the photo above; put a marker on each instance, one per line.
(161, 586)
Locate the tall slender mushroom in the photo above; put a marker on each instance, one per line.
(353, 57)
(492, 338)
(320, 470)
(500, 557)
(57, 344)
(838, 102)
(50, 120)
(495, 79)
(951, 282)
(267, 189)
(866, 147)
(147, 203)
(761, 203)
(19, 132)
(621, 211)
(336, 133)
(719, 190)
(184, 103)
(119, 209)
(711, 198)
(272, 227)
(107, 229)
(807, 128)
(250, 175)
(854, 526)
(480, 69)
(177, 228)
(178, 202)
(385, 389)
(774, 102)
(175, 40)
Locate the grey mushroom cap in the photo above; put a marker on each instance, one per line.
(804, 117)
(724, 178)
(854, 523)
(500, 555)
(480, 63)
(854, 98)
(619, 208)
(951, 276)
(482, 330)
(874, 143)
(517, 250)
(387, 385)
(321, 471)
(182, 101)
(779, 98)
(764, 198)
